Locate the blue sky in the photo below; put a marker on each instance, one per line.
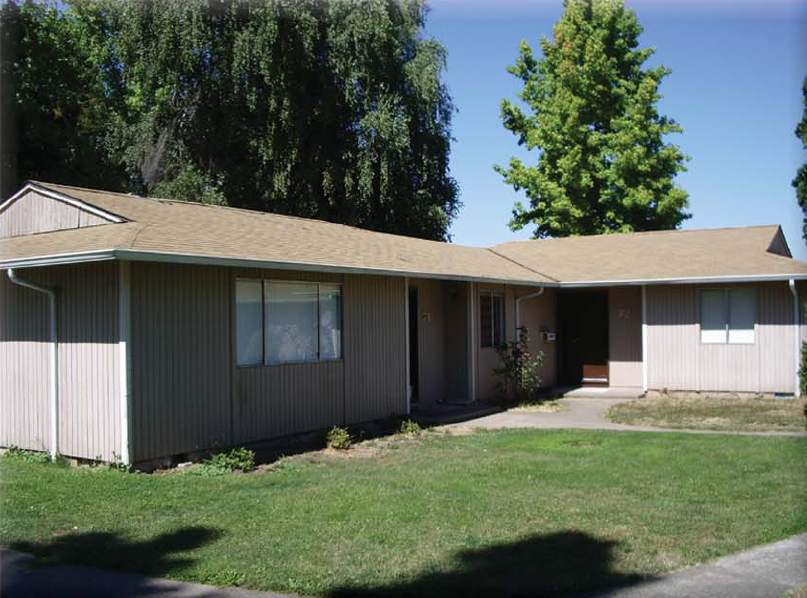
(735, 89)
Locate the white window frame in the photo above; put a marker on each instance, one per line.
(726, 291)
(503, 328)
(264, 294)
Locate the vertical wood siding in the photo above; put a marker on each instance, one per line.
(89, 406)
(539, 314)
(375, 349)
(188, 394)
(677, 360)
(181, 386)
(456, 341)
(35, 213)
(625, 336)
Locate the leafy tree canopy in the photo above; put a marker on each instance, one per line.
(800, 182)
(334, 110)
(603, 164)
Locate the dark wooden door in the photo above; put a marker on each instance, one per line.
(583, 337)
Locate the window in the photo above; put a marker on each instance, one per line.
(728, 315)
(287, 322)
(491, 318)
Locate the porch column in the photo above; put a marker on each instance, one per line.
(408, 388)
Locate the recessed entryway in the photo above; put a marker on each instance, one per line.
(583, 338)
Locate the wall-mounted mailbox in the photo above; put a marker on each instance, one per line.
(548, 337)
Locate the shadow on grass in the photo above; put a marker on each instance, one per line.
(558, 564)
(157, 557)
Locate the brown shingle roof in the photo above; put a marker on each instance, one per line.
(197, 232)
(659, 255)
(192, 229)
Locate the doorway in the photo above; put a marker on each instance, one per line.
(414, 375)
(583, 338)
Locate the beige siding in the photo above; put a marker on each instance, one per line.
(89, 399)
(188, 394)
(677, 360)
(486, 357)
(35, 213)
(456, 341)
(625, 336)
(180, 352)
(539, 314)
(374, 347)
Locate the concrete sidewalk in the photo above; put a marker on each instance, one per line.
(764, 572)
(586, 414)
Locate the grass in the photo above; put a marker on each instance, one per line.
(713, 413)
(518, 512)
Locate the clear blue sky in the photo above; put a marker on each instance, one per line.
(735, 89)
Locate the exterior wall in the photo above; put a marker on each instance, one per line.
(625, 336)
(486, 357)
(187, 393)
(456, 341)
(677, 360)
(35, 213)
(431, 340)
(539, 314)
(89, 385)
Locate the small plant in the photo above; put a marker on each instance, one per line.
(15, 452)
(237, 459)
(803, 369)
(117, 463)
(518, 379)
(409, 427)
(338, 438)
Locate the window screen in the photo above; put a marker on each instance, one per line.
(713, 316)
(249, 322)
(330, 321)
(491, 319)
(742, 315)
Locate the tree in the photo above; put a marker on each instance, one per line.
(53, 103)
(800, 182)
(603, 165)
(333, 110)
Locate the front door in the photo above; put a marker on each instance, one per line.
(583, 338)
(414, 355)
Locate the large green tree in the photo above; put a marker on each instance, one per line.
(334, 110)
(53, 101)
(800, 182)
(603, 163)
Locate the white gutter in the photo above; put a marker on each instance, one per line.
(54, 359)
(796, 340)
(518, 304)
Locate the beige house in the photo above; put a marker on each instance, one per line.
(137, 329)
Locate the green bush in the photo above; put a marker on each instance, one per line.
(409, 427)
(237, 459)
(518, 379)
(338, 438)
(803, 369)
(15, 452)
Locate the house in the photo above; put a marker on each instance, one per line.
(135, 328)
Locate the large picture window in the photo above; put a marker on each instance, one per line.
(491, 318)
(728, 315)
(287, 322)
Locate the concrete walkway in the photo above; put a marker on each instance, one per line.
(764, 572)
(587, 414)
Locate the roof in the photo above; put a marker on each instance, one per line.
(659, 256)
(158, 229)
(149, 229)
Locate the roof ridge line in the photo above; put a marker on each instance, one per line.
(517, 263)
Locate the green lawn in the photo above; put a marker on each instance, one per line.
(491, 513)
(713, 413)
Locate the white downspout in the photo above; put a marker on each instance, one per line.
(54, 359)
(796, 340)
(644, 338)
(518, 303)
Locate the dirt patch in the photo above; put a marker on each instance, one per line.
(542, 407)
